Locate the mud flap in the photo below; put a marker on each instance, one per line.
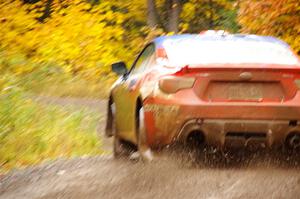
(143, 147)
(110, 119)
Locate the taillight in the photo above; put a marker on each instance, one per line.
(297, 82)
(172, 84)
(161, 53)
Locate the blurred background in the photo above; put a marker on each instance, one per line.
(55, 58)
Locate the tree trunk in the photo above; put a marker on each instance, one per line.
(211, 18)
(31, 1)
(173, 15)
(47, 11)
(151, 14)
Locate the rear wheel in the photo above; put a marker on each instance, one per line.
(292, 143)
(121, 148)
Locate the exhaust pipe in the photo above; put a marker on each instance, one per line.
(195, 138)
(293, 141)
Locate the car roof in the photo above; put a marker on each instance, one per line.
(210, 37)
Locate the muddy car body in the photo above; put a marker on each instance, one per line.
(222, 89)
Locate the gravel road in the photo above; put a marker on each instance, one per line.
(169, 176)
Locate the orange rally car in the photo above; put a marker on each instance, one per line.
(217, 88)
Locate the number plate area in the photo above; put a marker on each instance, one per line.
(244, 91)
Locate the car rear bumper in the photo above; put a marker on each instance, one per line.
(237, 133)
(222, 124)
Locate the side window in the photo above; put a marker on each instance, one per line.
(145, 60)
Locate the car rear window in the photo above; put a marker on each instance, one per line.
(195, 51)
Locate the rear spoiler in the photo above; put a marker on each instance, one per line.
(264, 67)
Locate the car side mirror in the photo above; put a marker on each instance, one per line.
(119, 68)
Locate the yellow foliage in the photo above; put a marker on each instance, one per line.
(77, 38)
(198, 15)
(279, 18)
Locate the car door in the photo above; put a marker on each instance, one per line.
(127, 92)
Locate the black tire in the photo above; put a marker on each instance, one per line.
(121, 149)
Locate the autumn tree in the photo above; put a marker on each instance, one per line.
(280, 18)
(200, 15)
(192, 15)
(83, 37)
(78, 38)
